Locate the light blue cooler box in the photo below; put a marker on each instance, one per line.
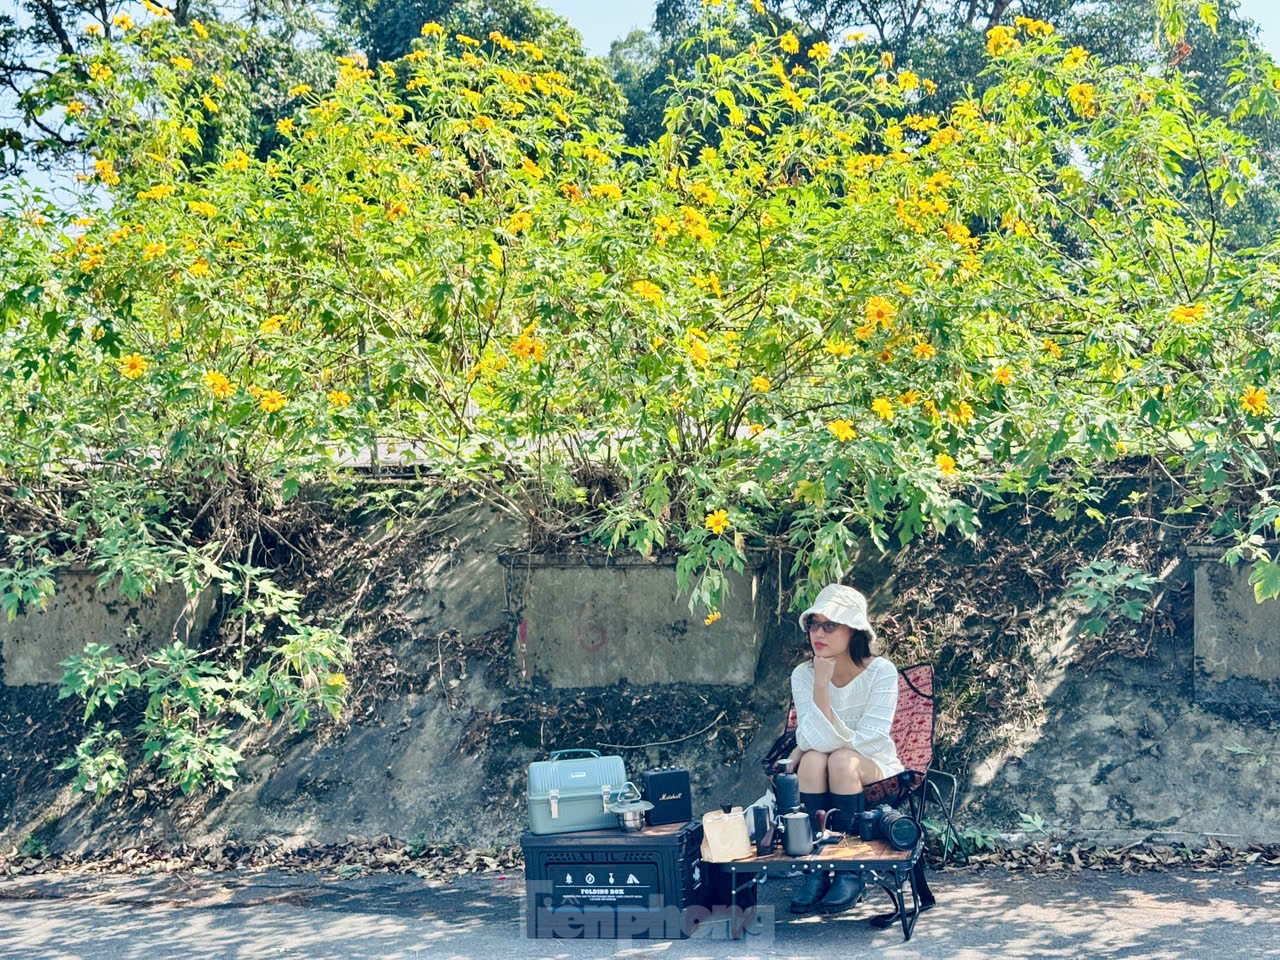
(567, 795)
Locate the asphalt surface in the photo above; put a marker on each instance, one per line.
(979, 914)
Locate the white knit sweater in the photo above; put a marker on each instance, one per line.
(863, 709)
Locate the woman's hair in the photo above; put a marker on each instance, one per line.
(860, 646)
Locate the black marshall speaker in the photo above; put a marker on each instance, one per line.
(668, 791)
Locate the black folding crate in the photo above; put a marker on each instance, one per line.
(614, 884)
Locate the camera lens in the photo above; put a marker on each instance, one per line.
(900, 830)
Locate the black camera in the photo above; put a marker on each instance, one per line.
(885, 823)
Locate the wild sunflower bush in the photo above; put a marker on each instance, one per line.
(821, 308)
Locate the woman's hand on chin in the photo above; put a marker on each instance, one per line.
(824, 668)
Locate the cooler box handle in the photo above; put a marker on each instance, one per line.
(557, 754)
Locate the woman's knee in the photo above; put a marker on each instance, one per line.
(813, 768)
(842, 769)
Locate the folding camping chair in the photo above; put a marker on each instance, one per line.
(912, 733)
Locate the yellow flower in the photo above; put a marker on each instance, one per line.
(842, 429)
(961, 414)
(75, 108)
(271, 400)
(882, 407)
(155, 249)
(218, 384)
(529, 347)
(133, 366)
(820, 52)
(909, 398)
(432, 30)
(864, 332)
(789, 43)
(712, 282)
(338, 398)
(1003, 376)
(703, 194)
(838, 348)
(647, 290)
(924, 351)
(99, 72)
(1001, 40)
(946, 463)
(299, 89)
(1254, 401)
(520, 220)
(531, 168)
(760, 384)
(208, 103)
(239, 161)
(199, 29)
(468, 41)
(1052, 347)
(606, 191)
(698, 351)
(200, 268)
(92, 30)
(717, 521)
(939, 181)
(1187, 314)
(880, 311)
(158, 192)
(907, 80)
(181, 63)
(1076, 57)
(271, 324)
(202, 207)
(122, 20)
(712, 617)
(756, 429)
(285, 127)
(1083, 97)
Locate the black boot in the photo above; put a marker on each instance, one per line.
(850, 807)
(810, 892)
(845, 890)
(813, 802)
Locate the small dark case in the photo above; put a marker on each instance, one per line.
(668, 790)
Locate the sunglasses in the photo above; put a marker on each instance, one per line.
(824, 626)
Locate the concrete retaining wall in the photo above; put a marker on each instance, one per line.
(1237, 639)
(586, 623)
(79, 613)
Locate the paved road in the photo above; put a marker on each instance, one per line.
(272, 914)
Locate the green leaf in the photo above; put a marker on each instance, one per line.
(1265, 578)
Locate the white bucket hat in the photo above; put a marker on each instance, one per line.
(840, 604)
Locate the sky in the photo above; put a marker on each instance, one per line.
(603, 21)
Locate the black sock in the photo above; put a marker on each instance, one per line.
(850, 806)
(813, 802)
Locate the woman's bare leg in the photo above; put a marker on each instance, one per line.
(847, 770)
(813, 772)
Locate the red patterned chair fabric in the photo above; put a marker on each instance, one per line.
(912, 733)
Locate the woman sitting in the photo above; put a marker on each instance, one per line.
(845, 699)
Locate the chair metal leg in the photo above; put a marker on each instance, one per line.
(921, 895)
(947, 809)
